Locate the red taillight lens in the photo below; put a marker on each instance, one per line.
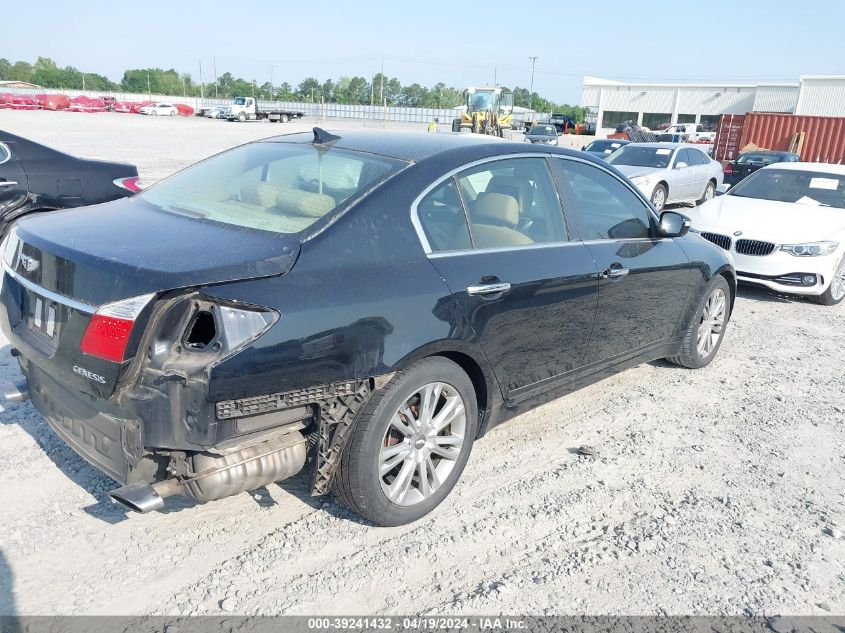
(729, 169)
(106, 337)
(109, 329)
(133, 183)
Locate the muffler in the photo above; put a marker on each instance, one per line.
(218, 476)
(15, 391)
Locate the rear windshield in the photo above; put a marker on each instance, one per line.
(604, 146)
(543, 130)
(793, 185)
(762, 159)
(279, 187)
(633, 154)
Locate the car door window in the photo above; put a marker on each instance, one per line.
(682, 157)
(442, 218)
(499, 204)
(697, 157)
(512, 202)
(4, 154)
(608, 209)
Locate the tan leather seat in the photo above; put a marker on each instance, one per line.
(494, 217)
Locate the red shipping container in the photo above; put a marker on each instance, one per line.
(824, 136)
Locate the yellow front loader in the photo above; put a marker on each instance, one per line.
(488, 111)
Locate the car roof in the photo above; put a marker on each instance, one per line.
(779, 152)
(827, 168)
(668, 145)
(407, 146)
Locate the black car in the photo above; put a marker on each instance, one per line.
(362, 306)
(562, 122)
(749, 162)
(602, 148)
(34, 177)
(542, 133)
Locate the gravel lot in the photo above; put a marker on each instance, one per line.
(719, 491)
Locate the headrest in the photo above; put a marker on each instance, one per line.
(496, 208)
(313, 205)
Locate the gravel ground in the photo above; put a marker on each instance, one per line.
(718, 491)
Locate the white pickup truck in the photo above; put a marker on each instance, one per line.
(694, 132)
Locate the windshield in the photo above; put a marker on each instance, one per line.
(240, 101)
(657, 157)
(480, 101)
(557, 118)
(280, 187)
(814, 188)
(543, 130)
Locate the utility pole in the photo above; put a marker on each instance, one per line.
(372, 91)
(83, 82)
(215, 76)
(495, 71)
(149, 90)
(533, 59)
(382, 79)
(202, 96)
(271, 82)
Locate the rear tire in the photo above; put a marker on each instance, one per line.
(397, 466)
(706, 329)
(284, 118)
(709, 192)
(456, 125)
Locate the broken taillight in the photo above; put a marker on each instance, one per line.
(133, 183)
(110, 326)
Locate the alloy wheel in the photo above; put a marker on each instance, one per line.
(712, 323)
(422, 444)
(659, 199)
(837, 284)
(708, 192)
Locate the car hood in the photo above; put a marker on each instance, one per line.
(130, 247)
(634, 171)
(779, 222)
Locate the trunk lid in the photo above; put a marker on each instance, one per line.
(129, 247)
(61, 266)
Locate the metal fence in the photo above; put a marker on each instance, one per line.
(316, 110)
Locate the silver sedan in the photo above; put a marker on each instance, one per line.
(669, 173)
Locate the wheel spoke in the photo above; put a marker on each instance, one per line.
(400, 486)
(429, 397)
(452, 409)
(446, 452)
(422, 476)
(404, 422)
(392, 462)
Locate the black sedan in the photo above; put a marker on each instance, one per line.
(363, 306)
(34, 177)
(602, 148)
(542, 133)
(749, 162)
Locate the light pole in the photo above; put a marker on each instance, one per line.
(533, 59)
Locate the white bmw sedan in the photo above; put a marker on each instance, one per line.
(785, 227)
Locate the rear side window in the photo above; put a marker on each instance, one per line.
(279, 187)
(500, 204)
(608, 209)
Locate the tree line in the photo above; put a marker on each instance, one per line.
(345, 90)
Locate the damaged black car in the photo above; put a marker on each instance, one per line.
(361, 307)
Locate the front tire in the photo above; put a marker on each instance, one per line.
(836, 290)
(658, 197)
(410, 444)
(706, 329)
(241, 117)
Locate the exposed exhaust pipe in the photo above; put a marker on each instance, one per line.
(218, 476)
(143, 497)
(16, 392)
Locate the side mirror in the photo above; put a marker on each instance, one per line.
(673, 224)
(722, 189)
(681, 165)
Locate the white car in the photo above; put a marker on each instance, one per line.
(159, 109)
(215, 113)
(785, 227)
(667, 173)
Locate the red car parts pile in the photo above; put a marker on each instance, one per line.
(81, 103)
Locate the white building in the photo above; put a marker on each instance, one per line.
(657, 105)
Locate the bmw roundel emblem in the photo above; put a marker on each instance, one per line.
(737, 233)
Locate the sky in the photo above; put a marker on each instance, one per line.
(460, 43)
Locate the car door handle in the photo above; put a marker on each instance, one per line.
(7, 183)
(614, 272)
(489, 289)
